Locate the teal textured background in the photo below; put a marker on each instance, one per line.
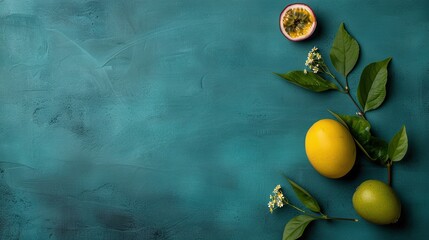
(159, 119)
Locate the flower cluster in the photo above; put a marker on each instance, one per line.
(315, 61)
(277, 199)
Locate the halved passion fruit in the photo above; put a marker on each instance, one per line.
(297, 22)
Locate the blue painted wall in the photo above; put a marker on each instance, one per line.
(159, 119)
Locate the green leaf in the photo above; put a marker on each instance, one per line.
(296, 226)
(344, 51)
(377, 150)
(305, 197)
(398, 146)
(371, 91)
(374, 148)
(358, 127)
(310, 81)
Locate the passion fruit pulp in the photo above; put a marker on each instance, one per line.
(297, 22)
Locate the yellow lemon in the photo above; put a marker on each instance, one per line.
(376, 202)
(330, 148)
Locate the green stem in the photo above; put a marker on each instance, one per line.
(347, 83)
(342, 219)
(326, 217)
(346, 90)
(295, 207)
(333, 77)
(389, 173)
(322, 216)
(361, 113)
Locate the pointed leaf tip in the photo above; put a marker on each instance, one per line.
(309, 81)
(296, 227)
(305, 197)
(374, 148)
(344, 51)
(398, 146)
(371, 90)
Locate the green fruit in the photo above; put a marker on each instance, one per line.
(376, 202)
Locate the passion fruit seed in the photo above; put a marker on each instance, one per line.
(297, 22)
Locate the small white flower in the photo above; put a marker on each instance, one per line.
(271, 205)
(315, 69)
(305, 71)
(315, 61)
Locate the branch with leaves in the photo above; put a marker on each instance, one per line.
(371, 93)
(296, 226)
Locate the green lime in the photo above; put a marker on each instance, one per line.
(376, 202)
